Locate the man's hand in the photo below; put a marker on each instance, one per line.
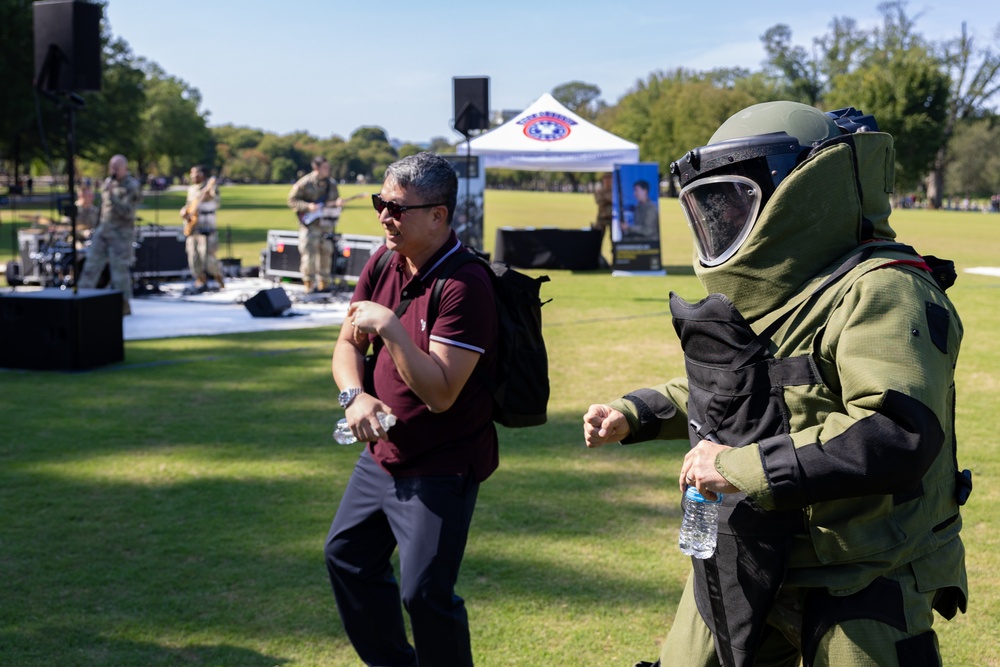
(368, 317)
(698, 470)
(603, 424)
(362, 417)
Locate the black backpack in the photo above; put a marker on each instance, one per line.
(521, 392)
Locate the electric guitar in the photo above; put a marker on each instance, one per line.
(310, 217)
(192, 209)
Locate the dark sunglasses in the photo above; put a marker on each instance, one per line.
(395, 210)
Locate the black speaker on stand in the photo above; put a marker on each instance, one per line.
(73, 330)
(472, 112)
(67, 61)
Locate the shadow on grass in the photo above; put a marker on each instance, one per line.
(122, 536)
(79, 647)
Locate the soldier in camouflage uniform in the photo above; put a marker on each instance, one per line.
(818, 399)
(111, 245)
(202, 245)
(603, 198)
(316, 192)
(87, 214)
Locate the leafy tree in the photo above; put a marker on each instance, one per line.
(974, 168)
(250, 166)
(18, 130)
(298, 148)
(907, 92)
(32, 126)
(237, 138)
(110, 121)
(441, 145)
(283, 169)
(174, 134)
(800, 71)
(407, 150)
(583, 99)
(669, 114)
(975, 81)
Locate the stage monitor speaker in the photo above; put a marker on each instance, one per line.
(55, 329)
(472, 104)
(67, 45)
(268, 303)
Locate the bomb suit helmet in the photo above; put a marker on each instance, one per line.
(726, 183)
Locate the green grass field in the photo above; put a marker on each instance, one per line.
(171, 510)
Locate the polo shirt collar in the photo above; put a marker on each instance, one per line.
(447, 249)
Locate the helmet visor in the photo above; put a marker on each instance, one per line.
(721, 211)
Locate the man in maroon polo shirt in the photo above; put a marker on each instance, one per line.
(414, 486)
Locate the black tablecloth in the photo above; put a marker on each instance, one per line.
(549, 248)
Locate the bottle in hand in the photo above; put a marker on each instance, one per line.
(342, 433)
(700, 525)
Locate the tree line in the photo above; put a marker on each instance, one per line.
(938, 99)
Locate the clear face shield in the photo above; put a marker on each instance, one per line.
(721, 211)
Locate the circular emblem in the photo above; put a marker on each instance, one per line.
(547, 129)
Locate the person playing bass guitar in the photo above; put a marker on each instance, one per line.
(316, 193)
(202, 242)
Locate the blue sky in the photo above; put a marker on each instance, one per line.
(329, 67)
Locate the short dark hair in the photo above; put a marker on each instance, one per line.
(317, 161)
(200, 168)
(429, 175)
(642, 184)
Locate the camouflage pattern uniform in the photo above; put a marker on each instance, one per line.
(602, 195)
(203, 244)
(316, 245)
(112, 242)
(87, 218)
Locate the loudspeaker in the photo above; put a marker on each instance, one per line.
(160, 252)
(55, 329)
(472, 104)
(67, 45)
(354, 250)
(268, 303)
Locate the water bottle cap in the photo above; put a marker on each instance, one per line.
(693, 494)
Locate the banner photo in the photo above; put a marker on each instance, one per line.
(468, 219)
(635, 219)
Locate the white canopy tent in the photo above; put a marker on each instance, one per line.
(549, 137)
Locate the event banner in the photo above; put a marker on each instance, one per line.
(468, 220)
(635, 221)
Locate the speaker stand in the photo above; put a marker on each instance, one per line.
(70, 102)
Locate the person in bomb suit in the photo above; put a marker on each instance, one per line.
(111, 244)
(819, 399)
(311, 194)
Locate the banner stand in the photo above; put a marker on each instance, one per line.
(635, 220)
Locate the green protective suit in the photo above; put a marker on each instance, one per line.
(869, 457)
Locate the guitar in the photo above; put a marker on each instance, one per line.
(310, 217)
(192, 209)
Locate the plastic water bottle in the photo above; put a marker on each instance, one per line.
(700, 525)
(342, 434)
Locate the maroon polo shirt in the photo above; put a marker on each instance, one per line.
(461, 440)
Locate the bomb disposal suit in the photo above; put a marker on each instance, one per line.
(824, 356)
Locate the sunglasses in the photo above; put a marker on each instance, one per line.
(395, 210)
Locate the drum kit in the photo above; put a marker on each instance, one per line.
(46, 253)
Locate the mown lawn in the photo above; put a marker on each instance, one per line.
(171, 510)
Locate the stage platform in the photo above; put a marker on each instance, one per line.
(172, 313)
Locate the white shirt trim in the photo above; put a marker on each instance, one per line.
(455, 343)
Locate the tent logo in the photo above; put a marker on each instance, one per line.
(546, 126)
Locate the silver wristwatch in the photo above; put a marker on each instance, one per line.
(349, 395)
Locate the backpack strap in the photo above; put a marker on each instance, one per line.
(454, 263)
(763, 339)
